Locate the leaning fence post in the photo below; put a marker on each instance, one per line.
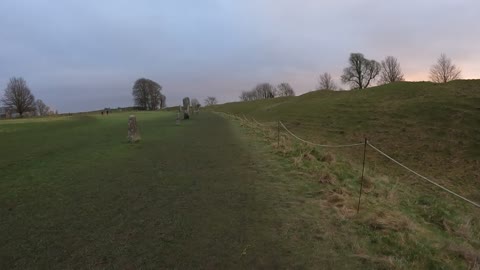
(278, 133)
(363, 171)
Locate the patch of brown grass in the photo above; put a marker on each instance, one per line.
(328, 158)
(392, 221)
(465, 229)
(367, 183)
(326, 178)
(298, 161)
(341, 199)
(468, 253)
(308, 156)
(383, 262)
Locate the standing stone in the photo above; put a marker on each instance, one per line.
(178, 118)
(133, 132)
(186, 108)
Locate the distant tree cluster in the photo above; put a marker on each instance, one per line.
(147, 95)
(41, 108)
(266, 91)
(209, 101)
(18, 98)
(361, 73)
(284, 90)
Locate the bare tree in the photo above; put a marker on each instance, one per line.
(18, 96)
(146, 94)
(41, 108)
(325, 82)
(209, 101)
(284, 90)
(264, 91)
(444, 71)
(260, 91)
(361, 71)
(245, 96)
(391, 71)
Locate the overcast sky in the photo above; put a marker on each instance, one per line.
(85, 55)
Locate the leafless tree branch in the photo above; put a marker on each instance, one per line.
(18, 96)
(444, 71)
(325, 82)
(391, 71)
(361, 71)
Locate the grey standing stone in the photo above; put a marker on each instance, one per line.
(186, 108)
(133, 132)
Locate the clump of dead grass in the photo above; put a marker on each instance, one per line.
(383, 262)
(326, 178)
(389, 221)
(467, 253)
(328, 158)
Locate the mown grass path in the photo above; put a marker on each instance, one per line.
(75, 195)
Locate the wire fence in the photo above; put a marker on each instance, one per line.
(317, 144)
(421, 176)
(365, 144)
(255, 120)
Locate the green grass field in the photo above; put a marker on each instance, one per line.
(204, 194)
(217, 192)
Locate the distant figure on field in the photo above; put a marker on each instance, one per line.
(102, 112)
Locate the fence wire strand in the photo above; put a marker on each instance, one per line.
(316, 144)
(421, 176)
(380, 152)
(255, 120)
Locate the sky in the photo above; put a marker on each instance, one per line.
(85, 55)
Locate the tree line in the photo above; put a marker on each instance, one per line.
(147, 95)
(362, 72)
(266, 90)
(359, 74)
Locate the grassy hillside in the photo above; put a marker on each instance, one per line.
(432, 128)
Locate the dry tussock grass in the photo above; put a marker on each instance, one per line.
(368, 184)
(328, 158)
(465, 229)
(342, 201)
(326, 178)
(298, 161)
(308, 156)
(383, 262)
(468, 253)
(392, 221)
